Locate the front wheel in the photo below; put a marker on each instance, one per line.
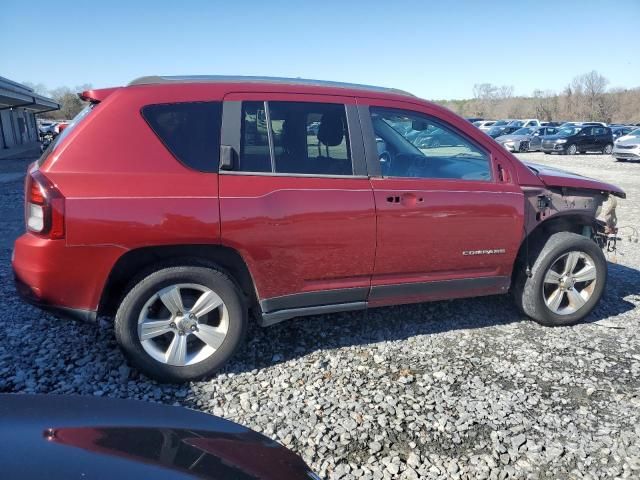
(567, 280)
(181, 323)
(571, 150)
(608, 148)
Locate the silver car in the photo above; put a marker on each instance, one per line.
(527, 139)
(627, 147)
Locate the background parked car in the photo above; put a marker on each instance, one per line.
(526, 122)
(621, 131)
(484, 125)
(535, 141)
(627, 147)
(503, 130)
(522, 140)
(434, 138)
(570, 140)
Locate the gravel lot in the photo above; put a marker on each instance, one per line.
(458, 389)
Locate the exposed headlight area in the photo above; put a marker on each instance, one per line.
(561, 140)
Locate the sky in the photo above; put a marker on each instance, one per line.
(436, 50)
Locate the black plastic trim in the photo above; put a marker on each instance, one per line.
(358, 159)
(278, 316)
(314, 299)
(369, 141)
(28, 296)
(230, 131)
(381, 292)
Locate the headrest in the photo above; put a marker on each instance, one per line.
(331, 129)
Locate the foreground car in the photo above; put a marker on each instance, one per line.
(68, 437)
(210, 197)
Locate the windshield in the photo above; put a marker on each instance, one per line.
(501, 122)
(65, 133)
(634, 133)
(567, 131)
(524, 131)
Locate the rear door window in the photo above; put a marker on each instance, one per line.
(295, 138)
(189, 130)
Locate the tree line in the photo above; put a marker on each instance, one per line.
(70, 103)
(585, 98)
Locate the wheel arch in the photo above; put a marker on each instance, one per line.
(534, 241)
(146, 259)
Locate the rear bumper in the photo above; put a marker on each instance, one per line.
(30, 296)
(67, 279)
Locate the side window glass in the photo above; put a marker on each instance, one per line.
(254, 139)
(306, 138)
(415, 145)
(190, 131)
(310, 138)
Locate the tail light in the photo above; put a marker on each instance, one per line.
(44, 206)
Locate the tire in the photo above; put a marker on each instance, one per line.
(547, 153)
(530, 292)
(523, 147)
(570, 150)
(582, 152)
(621, 159)
(608, 148)
(229, 323)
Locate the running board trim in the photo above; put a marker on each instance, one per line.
(278, 316)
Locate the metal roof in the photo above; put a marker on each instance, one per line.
(157, 79)
(14, 95)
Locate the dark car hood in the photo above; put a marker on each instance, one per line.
(554, 177)
(69, 437)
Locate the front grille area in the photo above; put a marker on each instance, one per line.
(626, 147)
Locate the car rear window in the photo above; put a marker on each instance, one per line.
(189, 130)
(84, 113)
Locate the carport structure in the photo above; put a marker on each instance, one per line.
(18, 106)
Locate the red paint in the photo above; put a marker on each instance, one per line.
(124, 190)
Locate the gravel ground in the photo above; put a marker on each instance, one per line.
(458, 389)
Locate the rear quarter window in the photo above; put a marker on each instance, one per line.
(189, 130)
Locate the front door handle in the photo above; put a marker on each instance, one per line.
(408, 199)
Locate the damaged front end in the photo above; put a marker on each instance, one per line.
(570, 202)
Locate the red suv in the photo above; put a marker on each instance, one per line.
(179, 204)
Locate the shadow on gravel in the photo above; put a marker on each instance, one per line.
(302, 336)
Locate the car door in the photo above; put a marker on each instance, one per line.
(450, 218)
(295, 199)
(535, 142)
(585, 140)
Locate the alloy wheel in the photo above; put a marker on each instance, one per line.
(569, 283)
(183, 324)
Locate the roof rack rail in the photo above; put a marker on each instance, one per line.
(164, 79)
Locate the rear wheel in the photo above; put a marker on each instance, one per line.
(181, 323)
(567, 281)
(608, 148)
(571, 150)
(621, 159)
